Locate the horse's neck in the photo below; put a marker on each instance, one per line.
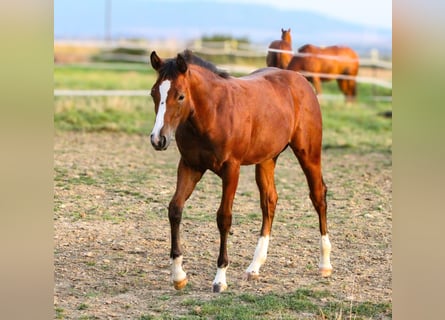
(287, 38)
(204, 102)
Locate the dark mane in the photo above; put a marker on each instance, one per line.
(169, 67)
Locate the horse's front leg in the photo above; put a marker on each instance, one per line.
(229, 176)
(186, 182)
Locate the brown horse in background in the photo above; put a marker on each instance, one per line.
(330, 63)
(220, 123)
(280, 59)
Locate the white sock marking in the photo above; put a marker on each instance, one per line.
(159, 123)
(220, 277)
(177, 273)
(260, 255)
(325, 252)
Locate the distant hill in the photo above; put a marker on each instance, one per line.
(187, 20)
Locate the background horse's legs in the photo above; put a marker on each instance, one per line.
(352, 91)
(264, 173)
(310, 161)
(230, 176)
(316, 81)
(186, 182)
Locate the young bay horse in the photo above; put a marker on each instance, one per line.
(280, 59)
(220, 123)
(333, 62)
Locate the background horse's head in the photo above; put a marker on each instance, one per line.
(285, 35)
(170, 96)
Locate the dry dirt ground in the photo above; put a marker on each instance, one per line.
(112, 240)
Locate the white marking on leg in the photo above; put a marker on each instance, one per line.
(260, 256)
(325, 252)
(220, 278)
(159, 123)
(177, 273)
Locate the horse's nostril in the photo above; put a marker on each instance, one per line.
(163, 142)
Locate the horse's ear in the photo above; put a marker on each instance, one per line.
(288, 30)
(156, 62)
(282, 30)
(181, 63)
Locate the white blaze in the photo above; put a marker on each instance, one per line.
(260, 255)
(163, 91)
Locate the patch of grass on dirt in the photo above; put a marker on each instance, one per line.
(314, 304)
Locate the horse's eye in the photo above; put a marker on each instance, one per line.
(181, 97)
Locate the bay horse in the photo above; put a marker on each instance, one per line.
(220, 123)
(280, 59)
(330, 62)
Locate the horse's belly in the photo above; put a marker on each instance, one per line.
(264, 149)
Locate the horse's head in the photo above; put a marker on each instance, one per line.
(285, 35)
(171, 98)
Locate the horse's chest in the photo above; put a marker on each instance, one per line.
(201, 156)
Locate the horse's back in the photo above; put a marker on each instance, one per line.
(331, 59)
(290, 88)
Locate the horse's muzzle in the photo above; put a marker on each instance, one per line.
(159, 143)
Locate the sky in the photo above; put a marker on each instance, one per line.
(375, 13)
(363, 23)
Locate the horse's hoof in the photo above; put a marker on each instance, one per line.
(219, 287)
(251, 276)
(325, 272)
(179, 285)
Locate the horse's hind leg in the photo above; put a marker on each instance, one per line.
(186, 182)
(309, 157)
(264, 173)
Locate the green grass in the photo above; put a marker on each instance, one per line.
(364, 90)
(104, 76)
(358, 126)
(118, 114)
(315, 304)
